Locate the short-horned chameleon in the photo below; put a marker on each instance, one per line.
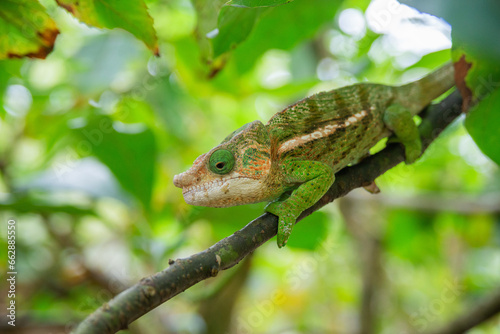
(297, 153)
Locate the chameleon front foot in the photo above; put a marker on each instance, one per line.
(286, 221)
(315, 178)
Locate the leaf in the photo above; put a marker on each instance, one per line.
(257, 3)
(483, 122)
(130, 153)
(235, 22)
(206, 22)
(476, 76)
(130, 15)
(234, 25)
(25, 30)
(298, 21)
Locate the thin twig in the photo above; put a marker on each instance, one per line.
(184, 273)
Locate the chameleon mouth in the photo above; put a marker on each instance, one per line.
(213, 193)
(206, 186)
(230, 191)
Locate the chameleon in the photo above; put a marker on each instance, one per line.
(291, 161)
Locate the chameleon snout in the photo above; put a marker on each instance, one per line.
(183, 180)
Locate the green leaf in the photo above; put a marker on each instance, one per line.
(256, 3)
(130, 15)
(25, 30)
(483, 122)
(234, 25)
(130, 153)
(206, 22)
(284, 27)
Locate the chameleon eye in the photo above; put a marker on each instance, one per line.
(221, 162)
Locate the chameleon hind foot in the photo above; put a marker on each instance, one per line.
(400, 121)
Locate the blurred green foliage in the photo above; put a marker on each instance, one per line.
(91, 136)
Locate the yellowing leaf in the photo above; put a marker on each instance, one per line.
(25, 30)
(130, 15)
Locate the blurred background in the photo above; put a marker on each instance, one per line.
(91, 137)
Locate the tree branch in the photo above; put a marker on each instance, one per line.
(184, 273)
(459, 203)
(481, 312)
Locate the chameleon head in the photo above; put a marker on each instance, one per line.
(232, 173)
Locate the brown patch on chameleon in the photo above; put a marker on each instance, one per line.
(302, 147)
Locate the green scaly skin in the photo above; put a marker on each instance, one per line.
(302, 147)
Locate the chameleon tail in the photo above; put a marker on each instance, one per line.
(418, 94)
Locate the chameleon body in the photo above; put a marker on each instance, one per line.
(297, 153)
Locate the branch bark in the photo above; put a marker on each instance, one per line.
(184, 273)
